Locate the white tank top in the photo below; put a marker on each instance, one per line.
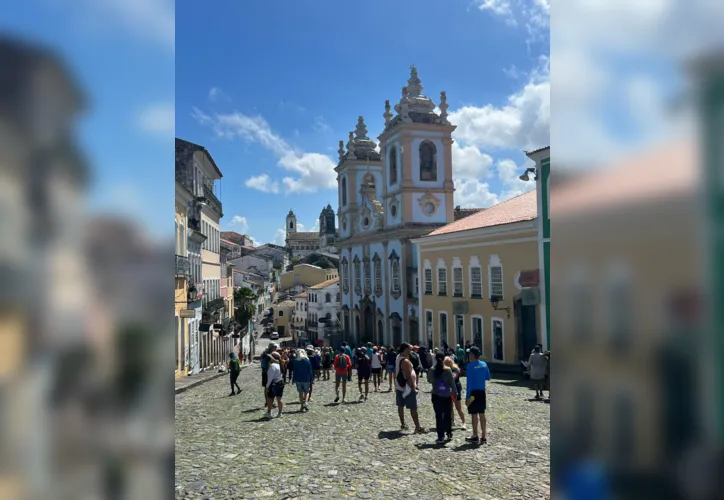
(376, 361)
(413, 375)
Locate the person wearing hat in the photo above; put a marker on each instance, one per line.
(274, 385)
(376, 366)
(273, 346)
(310, 355)
(478, 374)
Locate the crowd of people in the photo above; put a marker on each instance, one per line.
(406, 366)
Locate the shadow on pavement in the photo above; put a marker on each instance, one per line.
(467, 447)
(252, 410)
(390, 435)
(257, 420)
(428, 446)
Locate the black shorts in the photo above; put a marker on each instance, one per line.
(376, 370)
(363, 375)
(264, 378)
(479, 404)
(276, 390)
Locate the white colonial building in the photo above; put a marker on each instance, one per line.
(386, 198)
(324, 302)
(299, 319)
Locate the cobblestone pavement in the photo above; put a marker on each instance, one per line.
(225, 450)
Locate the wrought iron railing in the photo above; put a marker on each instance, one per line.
(212, 200)
(183, 267)
(214, 305)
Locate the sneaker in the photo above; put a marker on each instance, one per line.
(232, 394)
(344, 401)
(361, 397)
(421, 430)
(449, 436)
(336, 400)
(484, 441)
(404, 427)
(268, 415)
(472, 439)
(365, 398)
(309, 399)
(279, 415)
(440, 441)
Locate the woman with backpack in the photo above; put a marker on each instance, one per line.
(443, 394)
(327, 360)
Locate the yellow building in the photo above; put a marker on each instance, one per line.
(629, 283)
(306, 275)
(479, 282)
(283, 314)
(182, 271)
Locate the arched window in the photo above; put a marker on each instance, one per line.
(291, 225)
(395, 276)
(344, 191)
(393, 165)
(328, 297)
(428, 161)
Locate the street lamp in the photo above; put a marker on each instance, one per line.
(530, 170)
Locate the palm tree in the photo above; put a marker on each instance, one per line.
(244, 302)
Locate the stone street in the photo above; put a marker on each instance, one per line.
(225, 450)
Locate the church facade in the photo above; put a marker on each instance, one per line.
(302, 243)
(387, 198)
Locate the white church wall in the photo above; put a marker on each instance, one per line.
(417, 211)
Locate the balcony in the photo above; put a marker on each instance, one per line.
(213, 201)
(214, 305)
(183, 267)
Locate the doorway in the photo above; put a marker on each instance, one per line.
(380, 333)
(414, 332)
(369, 325)
(526, 328)
(356, 329)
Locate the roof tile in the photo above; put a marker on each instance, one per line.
(518, 209)
(325, 284)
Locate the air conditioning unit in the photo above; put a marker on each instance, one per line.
(530, 296)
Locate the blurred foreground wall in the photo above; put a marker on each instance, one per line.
(85, 405)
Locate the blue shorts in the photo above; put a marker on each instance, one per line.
(410, 402)
(303, 386)
(390, 368)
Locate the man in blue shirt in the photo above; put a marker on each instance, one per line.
(477, 375)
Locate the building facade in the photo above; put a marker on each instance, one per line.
(479, 282)
(325, 302)
(237, 238)
(182, 276)
(299, 244)
(283, 314)
(203, 175)
(302, 276)
(385, 200)
(299, 319)
(542, 159)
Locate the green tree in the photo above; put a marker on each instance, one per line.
(245, 305)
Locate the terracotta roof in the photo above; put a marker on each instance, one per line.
(461, 213)
(302, 295)
(325, 284)
(667, 170)
(286, 303)
(308, 235)
(518, 209)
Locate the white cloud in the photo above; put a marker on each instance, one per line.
(522, 123)
(509, 176)
(533, 15)
(239, 223)
(469, 162)
(473, 193)
(216, 94)
(148, 20)
(262, 183)
(158, 119)
(310, 171)
(280, 237)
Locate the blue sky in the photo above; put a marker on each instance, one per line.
(269, 91)
(127, 131)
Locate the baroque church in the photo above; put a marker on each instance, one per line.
(302, 243)
(387, 198)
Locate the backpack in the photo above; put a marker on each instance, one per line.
(234, 365)
(401, 380)
(342, 362)
(441, 388)
(415, 360)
